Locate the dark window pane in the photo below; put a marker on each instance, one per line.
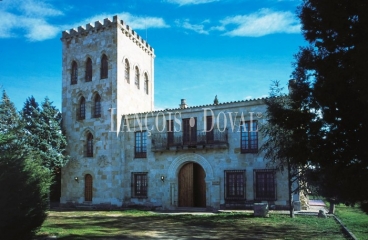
(88, 76)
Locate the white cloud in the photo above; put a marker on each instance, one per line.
(39, 8)
(188, 2)
(198, 28)
(260, 23)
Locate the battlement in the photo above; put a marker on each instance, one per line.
(107, 23)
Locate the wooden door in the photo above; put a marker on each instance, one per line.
(186, 186)
(192, 186)
(88, 188)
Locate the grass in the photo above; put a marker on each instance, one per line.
(143, 225)
(354, 219)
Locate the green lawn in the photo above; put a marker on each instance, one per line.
(143, 225)
(354, 219)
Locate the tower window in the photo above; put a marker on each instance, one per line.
(74, 73)
(104, 67)
(82, 109)
(89, 147)
(146, 83)
(136, 82)
(88, 76)
(127, 71)
(97, 107)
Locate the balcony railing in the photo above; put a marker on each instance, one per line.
(191, 139)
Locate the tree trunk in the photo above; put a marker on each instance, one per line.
(291, 205)
(332, 207)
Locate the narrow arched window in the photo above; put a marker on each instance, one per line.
(136, 82)
(104, 67)
(146, 83)
(89, 150)
(97, 107)
(88, 188)
(127, 71)
(82, 109)
(88, 70)
(74, 73)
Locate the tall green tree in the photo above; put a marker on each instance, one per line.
(331, 91)
(9, 118)
(282, 142)
(24, 182)
(44, 133)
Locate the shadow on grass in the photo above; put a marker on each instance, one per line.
(162, 226)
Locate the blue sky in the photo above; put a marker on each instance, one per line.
(229, 48)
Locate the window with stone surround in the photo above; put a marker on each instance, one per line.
(104, 67)
(249, 137)
(190, 131)
(264, 184)
(81, 114)
(234, 184)
(136, 78)
(74, 73)
(89, 145)
(139, 184)
(88, 76)
(127, 71)
(97, 106)
(140, 148)
(146, 83)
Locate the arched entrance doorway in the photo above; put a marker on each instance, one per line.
(192, 186)
(88, 188)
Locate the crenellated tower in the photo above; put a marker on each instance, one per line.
(107, 71)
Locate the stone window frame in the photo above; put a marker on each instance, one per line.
(139, 184)
(249, 137)
(140, 144)
(74, 73)
(88, 70)
(136, 77)
(265, 187)
(235, 184)
(89, 145)
(104, 70)
(81, 112)
(127, 70)
(97, 106)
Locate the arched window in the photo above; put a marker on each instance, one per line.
(89, 150)
(88, 70)
(136, 81)
(88, 188)
(97, 106)
(146, 83)
(127, 71)
(104, 67)
(82, 109)
(74, 73)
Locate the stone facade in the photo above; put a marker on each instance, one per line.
(137, 156)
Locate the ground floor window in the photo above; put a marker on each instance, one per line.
(264, 184)
(235, 184)
(139, 184)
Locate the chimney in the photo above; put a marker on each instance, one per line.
(183, 104)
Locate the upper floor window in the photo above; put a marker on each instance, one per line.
(89, 147)
(88, 76)
(136, 79)
(249, 137)
(104, 67)
(127, 71)
(209, 129)
(140, 149)
(235, 184)
(139, 184)
(82, 109)
(74, 73)
(265, 185)
(146, 83)
(190, 131)
(170, 132)
(97, 106)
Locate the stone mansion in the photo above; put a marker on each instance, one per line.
(124, 153)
